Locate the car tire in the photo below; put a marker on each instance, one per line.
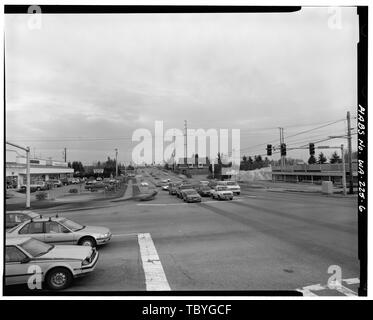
(58, 278)
(87, 241)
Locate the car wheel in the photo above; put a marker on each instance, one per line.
(87, 241)
(58, 278)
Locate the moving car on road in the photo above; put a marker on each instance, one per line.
(231, 185)
(58, 230)
(172, 187)
(59, 265)
(182, 187)
(221, 193)
(191, 195)
(204, 191)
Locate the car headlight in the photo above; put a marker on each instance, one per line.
(85, 262)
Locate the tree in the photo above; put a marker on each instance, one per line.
(258, 162)
(335, 158)
(312, 160)
(322, 159)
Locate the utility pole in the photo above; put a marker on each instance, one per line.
(64, 154)
(343, 171)
(185, 142)
(351, 177)
(116, 162)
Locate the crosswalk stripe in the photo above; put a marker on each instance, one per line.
(337, 286)
(352, 281)
(155, 277)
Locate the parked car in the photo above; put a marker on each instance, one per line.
(221, 193)
(181, 187)
(35, 186)
(59, 230)
(93, 185)
(191, 195)
(204, 191)
(59, 265)
(144, 184)
(165, 187)
(14, 218)
(53, 183)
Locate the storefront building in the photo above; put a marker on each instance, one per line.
(40, 170)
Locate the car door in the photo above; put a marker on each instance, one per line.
(55, 233)
(16, 266)
(34, 229)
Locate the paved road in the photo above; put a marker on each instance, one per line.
(261, 240)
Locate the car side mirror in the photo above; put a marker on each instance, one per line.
(25, 260)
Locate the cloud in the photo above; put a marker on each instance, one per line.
(107, 75)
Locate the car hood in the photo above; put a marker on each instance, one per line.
(94, 230)
(68, 252)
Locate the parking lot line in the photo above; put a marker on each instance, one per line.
(155, 277)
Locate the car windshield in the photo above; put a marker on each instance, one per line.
(190, 191)
(36, 248)
(72, 225)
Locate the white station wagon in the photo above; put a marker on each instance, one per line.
(56, 266)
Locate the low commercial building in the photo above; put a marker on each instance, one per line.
(40, 169)
(313, 173)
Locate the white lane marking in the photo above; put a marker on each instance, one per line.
(155, 277)
(342, 289)
(213, 201)
(352, 281)
(124, 235)
(306, 292)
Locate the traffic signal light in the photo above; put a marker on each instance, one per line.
(283, 149)
(269, 149)
(312, 149)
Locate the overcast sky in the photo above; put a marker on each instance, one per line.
(100, 77)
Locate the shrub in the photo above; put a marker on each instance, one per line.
(41, 196)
